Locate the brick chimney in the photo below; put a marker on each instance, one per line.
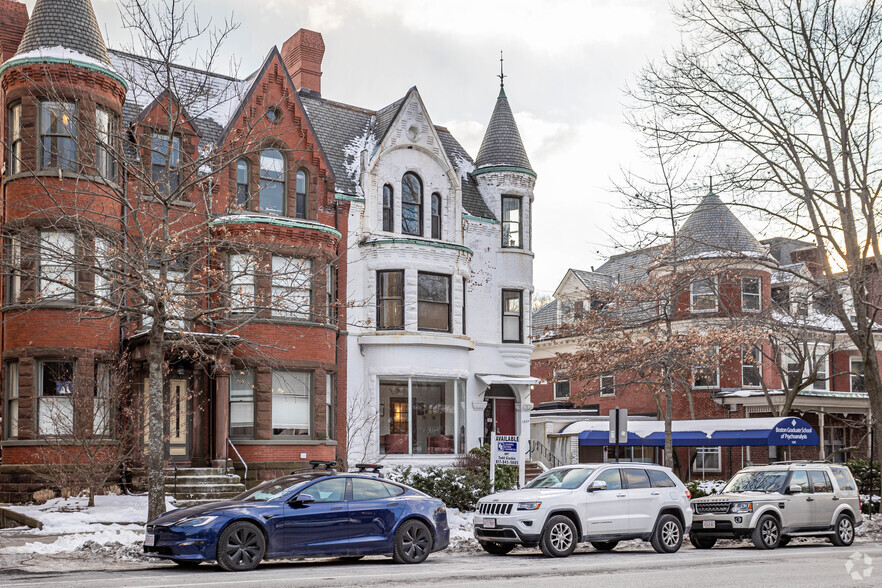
(811, 257)
(13, 21)
(302, 54)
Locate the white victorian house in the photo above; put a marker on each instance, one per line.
(440, 279)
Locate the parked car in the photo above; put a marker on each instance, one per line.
(313, 513)
(772, 504)
(600, 503)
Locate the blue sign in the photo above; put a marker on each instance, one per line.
(507, 446)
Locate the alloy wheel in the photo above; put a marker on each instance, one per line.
(670, 534)
(561, 536)
(415, 541)
(845, 530)
(243, 547)
(770, 532)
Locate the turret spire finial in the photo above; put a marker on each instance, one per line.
(501, 75)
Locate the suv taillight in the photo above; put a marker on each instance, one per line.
(688, 493)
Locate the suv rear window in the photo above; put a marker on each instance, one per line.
(660, 479)
(635, 478)
(820, 481)
(844, 479)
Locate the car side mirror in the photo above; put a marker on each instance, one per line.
(301, 500)
(795, 489)
(597, 485)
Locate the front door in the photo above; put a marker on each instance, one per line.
(504, 416)
(178, 420)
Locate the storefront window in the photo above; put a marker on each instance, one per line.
(421, 416)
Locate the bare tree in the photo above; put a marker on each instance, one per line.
(782, 95)
(362, 425)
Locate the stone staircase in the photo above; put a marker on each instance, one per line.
(199, 485)
(532, 469)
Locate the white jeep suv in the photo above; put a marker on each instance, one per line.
(602, 503)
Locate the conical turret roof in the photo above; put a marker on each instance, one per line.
(502, 145)
(713, 231)
(68, 24)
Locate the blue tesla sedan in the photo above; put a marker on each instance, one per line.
(315, 513)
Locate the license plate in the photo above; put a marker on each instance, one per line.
(708, 524)
(489, 523)
(149, 540)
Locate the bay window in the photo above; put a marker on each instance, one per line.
(102, 403)
(422, 416)
(57, 273)
(55, 412)
(706, 373)
(390, 299)
(102, 271)
(751, 299)
(511, 222)
(292, 287)
(292, 404)
(433, 302)
(411, 205)
(512, 317)
(11, 411)
(703, 295)
(15, 139)
(13, 281)
(752, 367)
(242, 403)
(241, 279)
(106, 127)
(272, 182)
(58, 135)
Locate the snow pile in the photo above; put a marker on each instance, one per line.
(110, 513)
(463, 165)
(352, 156)
(77, 541)
(871, 530)
(711, 486)
(461, 525)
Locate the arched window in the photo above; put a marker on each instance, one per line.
(272, 182)
(242, 177)
(302, 187)
(387, 208)
(436, 216)
(411, 205)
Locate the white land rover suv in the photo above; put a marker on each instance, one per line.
(602, 503)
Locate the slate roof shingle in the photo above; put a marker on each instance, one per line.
(502, 145)
(713, 231)
(64, 23)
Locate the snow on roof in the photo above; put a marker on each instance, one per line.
(352, 156)
(60, 53)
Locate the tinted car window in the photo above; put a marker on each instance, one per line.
(333, 490)
(800, 478)
(660, 479)
(612, 477)
(636, 478)
(367, 489)
(844, 479)
(393, 490)
(820, 481)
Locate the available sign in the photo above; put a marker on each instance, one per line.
(507, 450)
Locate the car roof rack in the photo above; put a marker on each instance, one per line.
(373, 467)
(801, 461)
(316, 464)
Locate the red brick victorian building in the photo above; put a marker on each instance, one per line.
(270, 377)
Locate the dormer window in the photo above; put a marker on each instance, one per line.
(165, 158)
(387, 208)
(302, 188)
(436, 216)
(58, 135)
(411, 205)
(511, 222)
(272, 182)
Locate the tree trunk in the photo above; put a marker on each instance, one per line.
(156, 421)
(669, 415)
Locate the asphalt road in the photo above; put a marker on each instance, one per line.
(810, 565)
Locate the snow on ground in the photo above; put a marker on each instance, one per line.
(461, 535)
(76, 541)
(871, 530)
(712, 486)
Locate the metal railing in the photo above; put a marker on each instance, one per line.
(227, 461)
(536, 451)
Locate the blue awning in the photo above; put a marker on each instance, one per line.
(705, 433)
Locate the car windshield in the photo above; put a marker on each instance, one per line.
(273, 489)
(768, 481)
(566, 478)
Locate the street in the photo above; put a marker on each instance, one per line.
(810, 564)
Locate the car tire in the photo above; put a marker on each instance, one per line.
(668, 534)
(767, 533)
(187, 563)
(494, 548)
(843, 531)
(240, 547)
(702, 542)
(559, 538)
(604, 545)
(785, 540)
(413, 543)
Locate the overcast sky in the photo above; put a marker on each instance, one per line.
(567, 62)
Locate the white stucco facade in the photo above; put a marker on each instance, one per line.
(418, 396)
